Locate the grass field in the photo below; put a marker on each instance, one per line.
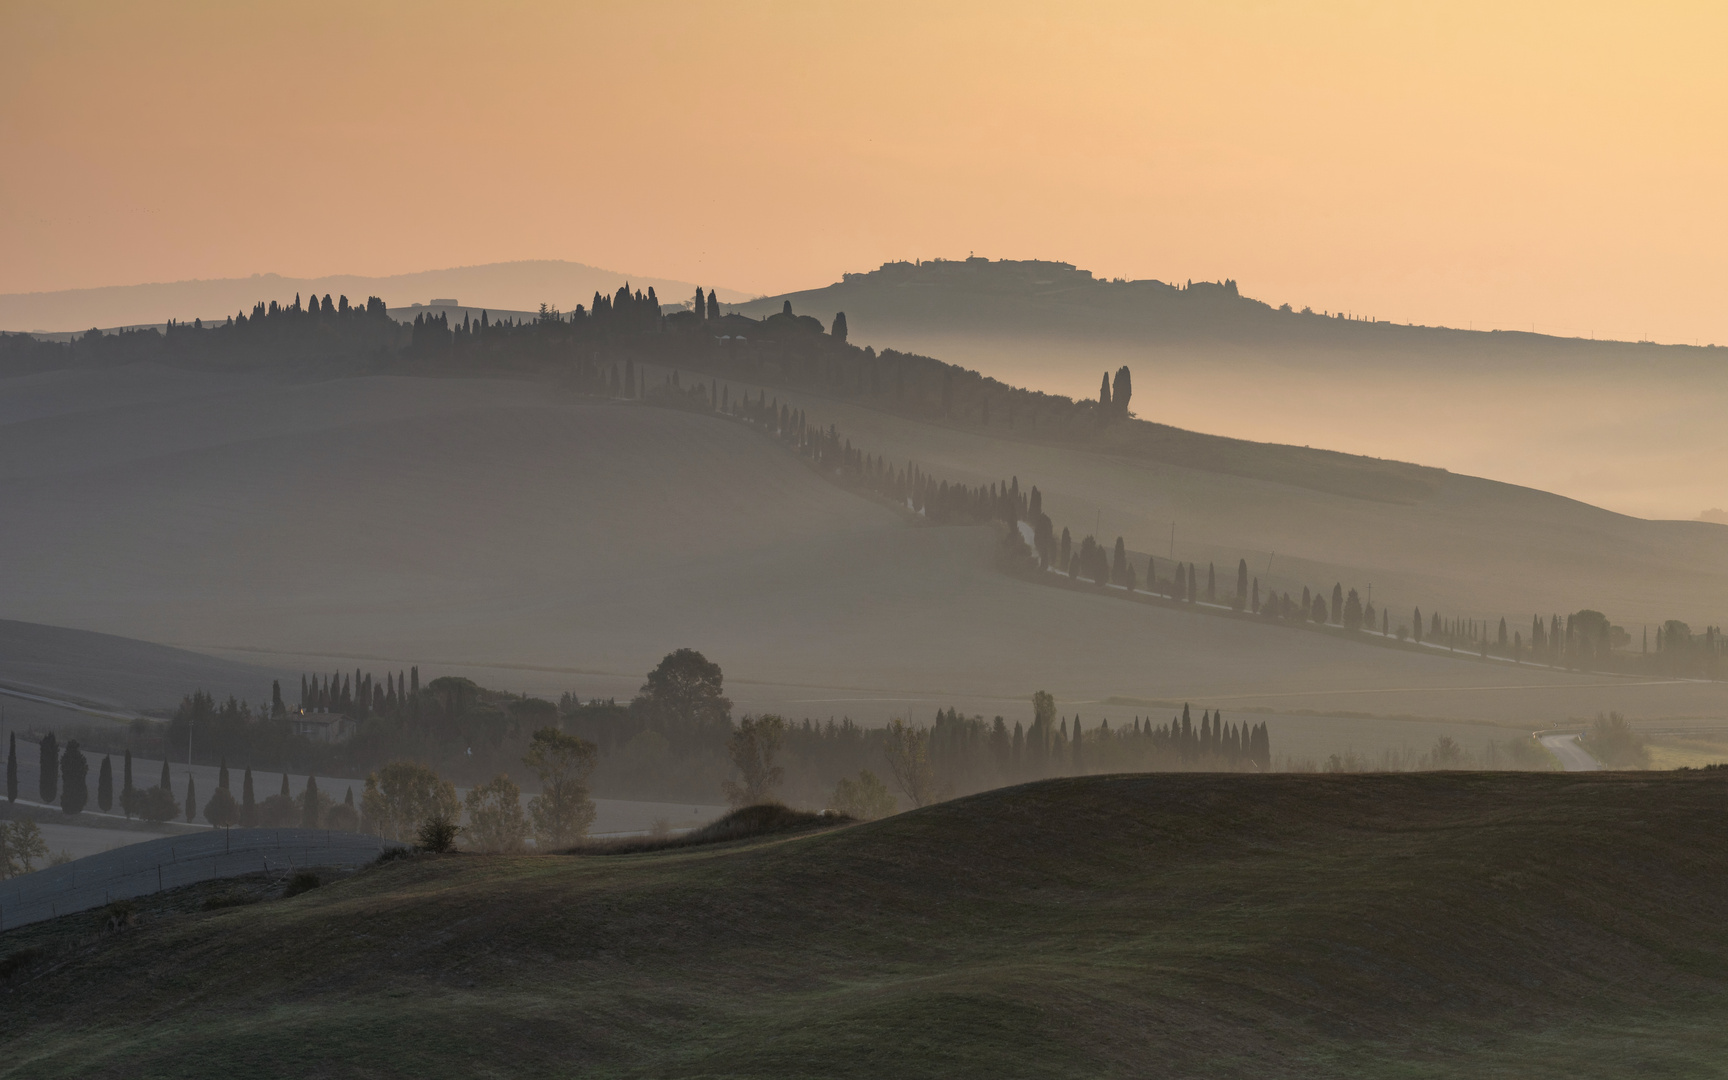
(1448, 924)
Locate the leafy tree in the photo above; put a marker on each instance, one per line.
(563, 810)
(74, 779)
(344, 816)
(908, 751)
(866, 798)
(105, 785)
(402, 795)
(48, 785)
(753, 748)
(21, 844)
(437, 833)
(683, 695)
(495, 819)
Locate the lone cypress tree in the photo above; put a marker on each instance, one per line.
(12, 767)
(167, 783)
(309, 805)
(1079, 755)
(1104, 393)
(1416, 625)
(48, 780)
(74, 779)
(1241, 583)
(839, 330)
(105, 785)
(1337, 612)
(248, 805)
(191, 797)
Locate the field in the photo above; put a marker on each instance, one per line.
(1442, 924)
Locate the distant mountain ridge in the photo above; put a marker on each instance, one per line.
(522, 285)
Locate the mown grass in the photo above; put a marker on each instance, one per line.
(1411, 925)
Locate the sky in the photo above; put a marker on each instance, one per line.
(1556, 167)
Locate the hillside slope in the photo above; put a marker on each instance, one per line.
(546, 541)
(1630, 426)
(1428, 925)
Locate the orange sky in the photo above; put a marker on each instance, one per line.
(1497, 164)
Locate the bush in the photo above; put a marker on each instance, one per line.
(232, 898)
(119, 915)
(302, 881)
(866, 798)
(438, 833)
(157, 804)
(342, 817)
(391, 854)
(1612, 741)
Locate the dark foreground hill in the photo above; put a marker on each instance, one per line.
(1399, 925)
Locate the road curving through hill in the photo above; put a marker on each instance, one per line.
(1572, 756)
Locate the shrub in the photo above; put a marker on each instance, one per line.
(157, 804)
(222, 811)
(302, 881)
(342, 817)
(232, 898)
(438, 833)
(866, 798)
(1612, 741)
(119, 915)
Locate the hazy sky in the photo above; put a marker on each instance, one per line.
(1498, 164)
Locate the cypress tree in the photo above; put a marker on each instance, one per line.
(1104, 393)
(1337, 603)
(1416, 626)
(1241, 583)
(74, 779)
(105, 785)
(12, 767)
(1079, 756)
(167, 783)
(1256, 607)
(1193, 592)
(286, 794)
(839, 330)
(248, 805)
(309, 805)
(191, 797)
(48, 785)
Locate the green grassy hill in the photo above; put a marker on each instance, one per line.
(1193, 925)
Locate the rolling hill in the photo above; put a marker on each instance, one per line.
(1447, 924)
(1629, 426)
(543, 540)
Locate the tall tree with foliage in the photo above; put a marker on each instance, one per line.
(404, 794)
(1104, 394)
(495, 820)
(563, 811)
(311, 810)
(48, 780)
(839, 330)
(105, 784)
(908, 752)
(74, 779)
(684, 695)
(1122, 391)
(753, 748)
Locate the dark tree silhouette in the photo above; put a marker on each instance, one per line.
(105, 785)
(74, 779)
(839, 330)
(48, 786)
